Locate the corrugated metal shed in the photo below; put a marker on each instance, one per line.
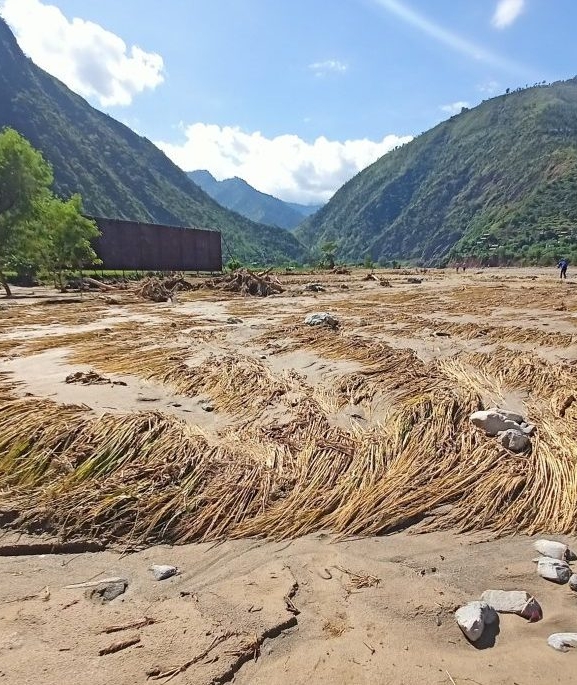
(132, 245)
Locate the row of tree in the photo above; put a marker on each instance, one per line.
(38, 231)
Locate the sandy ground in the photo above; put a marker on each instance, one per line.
(229, 615)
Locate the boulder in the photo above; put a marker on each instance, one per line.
(573, 582)
(322, 319)
(552, 549)
(106, 592)
(494, 422)
(508, 414)
(562, 642)
(514, 602)
(473, 617)
(555, 570)
(514, 440)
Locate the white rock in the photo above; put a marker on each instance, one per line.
(322, 319)
(514, 602)
(554, 569)
(514, 439)
(562, 641)
(511, 415)
(493, 422)
(473, 617)
(573, 582)
(161, 571)
(551, 548)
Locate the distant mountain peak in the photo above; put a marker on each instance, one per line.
(238, 195)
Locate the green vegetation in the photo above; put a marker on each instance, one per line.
(497, 183)
(238, 195)
(118, 173)
(38, 230)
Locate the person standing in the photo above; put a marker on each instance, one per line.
(563, 264)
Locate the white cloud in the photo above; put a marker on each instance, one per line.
(452, 39)
(89, 59)
(285, 166)
(329, 66)
(507, 12)
(454, 107)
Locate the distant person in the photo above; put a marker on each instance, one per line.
(563, 264)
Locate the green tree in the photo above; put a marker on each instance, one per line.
(62, 237)
(25, 178)
(329, 249)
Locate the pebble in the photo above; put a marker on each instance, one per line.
(162, 572)
(562, 642)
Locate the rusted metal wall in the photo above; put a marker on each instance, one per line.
(136, 246)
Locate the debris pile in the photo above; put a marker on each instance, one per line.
(381, 281)
(154, 289)
(509, 427)
(341, 271)
(90, 378)
(246, 282)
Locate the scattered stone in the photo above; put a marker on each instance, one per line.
(514, 440)
(553, 549)
(514, 602)
(473, 617)
(106, 592)
(322, 319)
(573, 582)
(314, 287)
(495, 421)
(208, 407)
(562, 642)
(233, 319)
(555, 570)
(162, 572)
(508, 414)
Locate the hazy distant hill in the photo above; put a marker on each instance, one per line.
(118, 173)
(498, 181)
(241, 197)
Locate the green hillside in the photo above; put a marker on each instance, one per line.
(119, 174)
(238, 195)
(497, 182)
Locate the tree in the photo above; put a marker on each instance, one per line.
(62, 237)
(329, 249)
(25, 178)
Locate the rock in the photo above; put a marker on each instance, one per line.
(514, 602)
(573, 582)
(207, 407)
(314, 287)
(508, 414)
(414, 280)
(162, 572)
(514, 439)
(106, 592)
(562, 642)
(552, 549)
(554, 569)
(494, 422)
(233, 319)
(322, 319)
(473, 617)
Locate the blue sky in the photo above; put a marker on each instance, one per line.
(294, 95)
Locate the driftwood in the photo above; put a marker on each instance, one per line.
(117, 646)
(98, 284)
(246, 282)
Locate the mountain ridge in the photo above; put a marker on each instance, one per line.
(238, 195)
(118, 173)
(497, 182)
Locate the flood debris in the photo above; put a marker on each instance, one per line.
(246, 282)
(90, 378)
